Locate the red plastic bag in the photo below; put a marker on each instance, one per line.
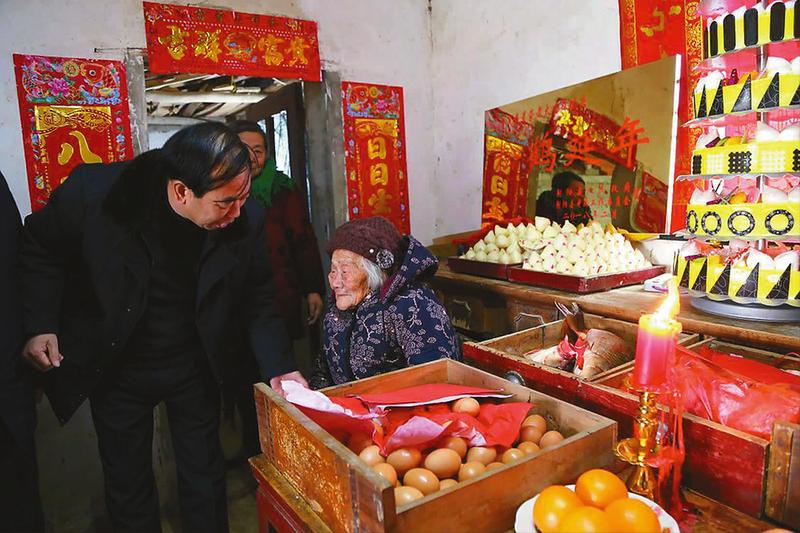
(739, 393)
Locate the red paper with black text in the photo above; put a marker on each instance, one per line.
(223, 41)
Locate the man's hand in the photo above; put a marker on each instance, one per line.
(275, 382)
(314, 306)
(41, 351)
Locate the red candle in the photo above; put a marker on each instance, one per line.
(655, 343)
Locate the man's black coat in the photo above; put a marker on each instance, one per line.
(16, 393)
(85, 272)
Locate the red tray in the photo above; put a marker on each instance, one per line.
(478, 268)
(578, 284)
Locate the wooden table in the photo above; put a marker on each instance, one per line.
(464, 293)
(280, 508)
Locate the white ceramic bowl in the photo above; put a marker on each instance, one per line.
(524, 520)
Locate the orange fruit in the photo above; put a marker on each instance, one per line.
(552, 505)
(585, 520)
(600, 487)
(632, 516)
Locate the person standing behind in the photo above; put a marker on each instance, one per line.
(142, 281)
(294, 258)
(20, 504)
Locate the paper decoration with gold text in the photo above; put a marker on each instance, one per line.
(73, 111)
(217, 41)
(375, 153)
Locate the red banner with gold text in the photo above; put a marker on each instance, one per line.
(375, 154)
(505, 166)
(72, 111)
(216, 41)
(650, 30)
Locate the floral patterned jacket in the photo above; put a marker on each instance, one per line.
(403, 324)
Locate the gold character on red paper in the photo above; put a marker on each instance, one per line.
(379, 174)
(376, 148)
(86, 154)
(498, 209)
(502, 164)
(297, 49)
(269, 45)
(208, 45)
(379, 201)
(580, 126)
(174, 41)
(499, 185)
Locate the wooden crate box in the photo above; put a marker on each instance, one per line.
(712, 449)
(349, 496)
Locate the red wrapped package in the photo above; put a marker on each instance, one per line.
(739, 393)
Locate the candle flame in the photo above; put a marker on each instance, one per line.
(670, 307)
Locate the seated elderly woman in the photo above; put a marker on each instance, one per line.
(381, 316)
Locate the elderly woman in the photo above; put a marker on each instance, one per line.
(383, 317)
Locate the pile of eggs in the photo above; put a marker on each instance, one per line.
(416, 473)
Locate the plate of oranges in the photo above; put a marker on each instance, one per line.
(598, 502)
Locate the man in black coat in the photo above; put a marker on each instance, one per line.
(20, 505)
(141, 282)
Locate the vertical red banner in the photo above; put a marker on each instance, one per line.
(375, 154)
(72, 111)
(505, 167)
(650, 30)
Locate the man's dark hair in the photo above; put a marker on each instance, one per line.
(241, 126)
(562, 180)
(205, 156)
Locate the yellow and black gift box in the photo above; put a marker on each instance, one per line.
(780, 90)
(776, 24)
(712, 277)
(760, 156)
(762, 221)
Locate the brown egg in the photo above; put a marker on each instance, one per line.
(358, 441)
(536, 421)
(550, 438)
(386, 471)
(404, 459)
(404, 495)
(422, 479)
(457, 444)
(371, 455)
(445, 483)
(528, 448)
(512, 454)
(443, 462)
(492, 466)
(467, 405)
(481, 454)
(470, 470)
(530, 434)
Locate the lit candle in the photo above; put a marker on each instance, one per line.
(655, 343)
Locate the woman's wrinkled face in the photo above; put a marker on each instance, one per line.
(348, 279)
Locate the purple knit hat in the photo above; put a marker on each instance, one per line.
(374, 238)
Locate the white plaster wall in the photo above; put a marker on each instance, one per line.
(379, 41)
(489, 53)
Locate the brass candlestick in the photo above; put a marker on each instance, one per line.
(643, 445)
